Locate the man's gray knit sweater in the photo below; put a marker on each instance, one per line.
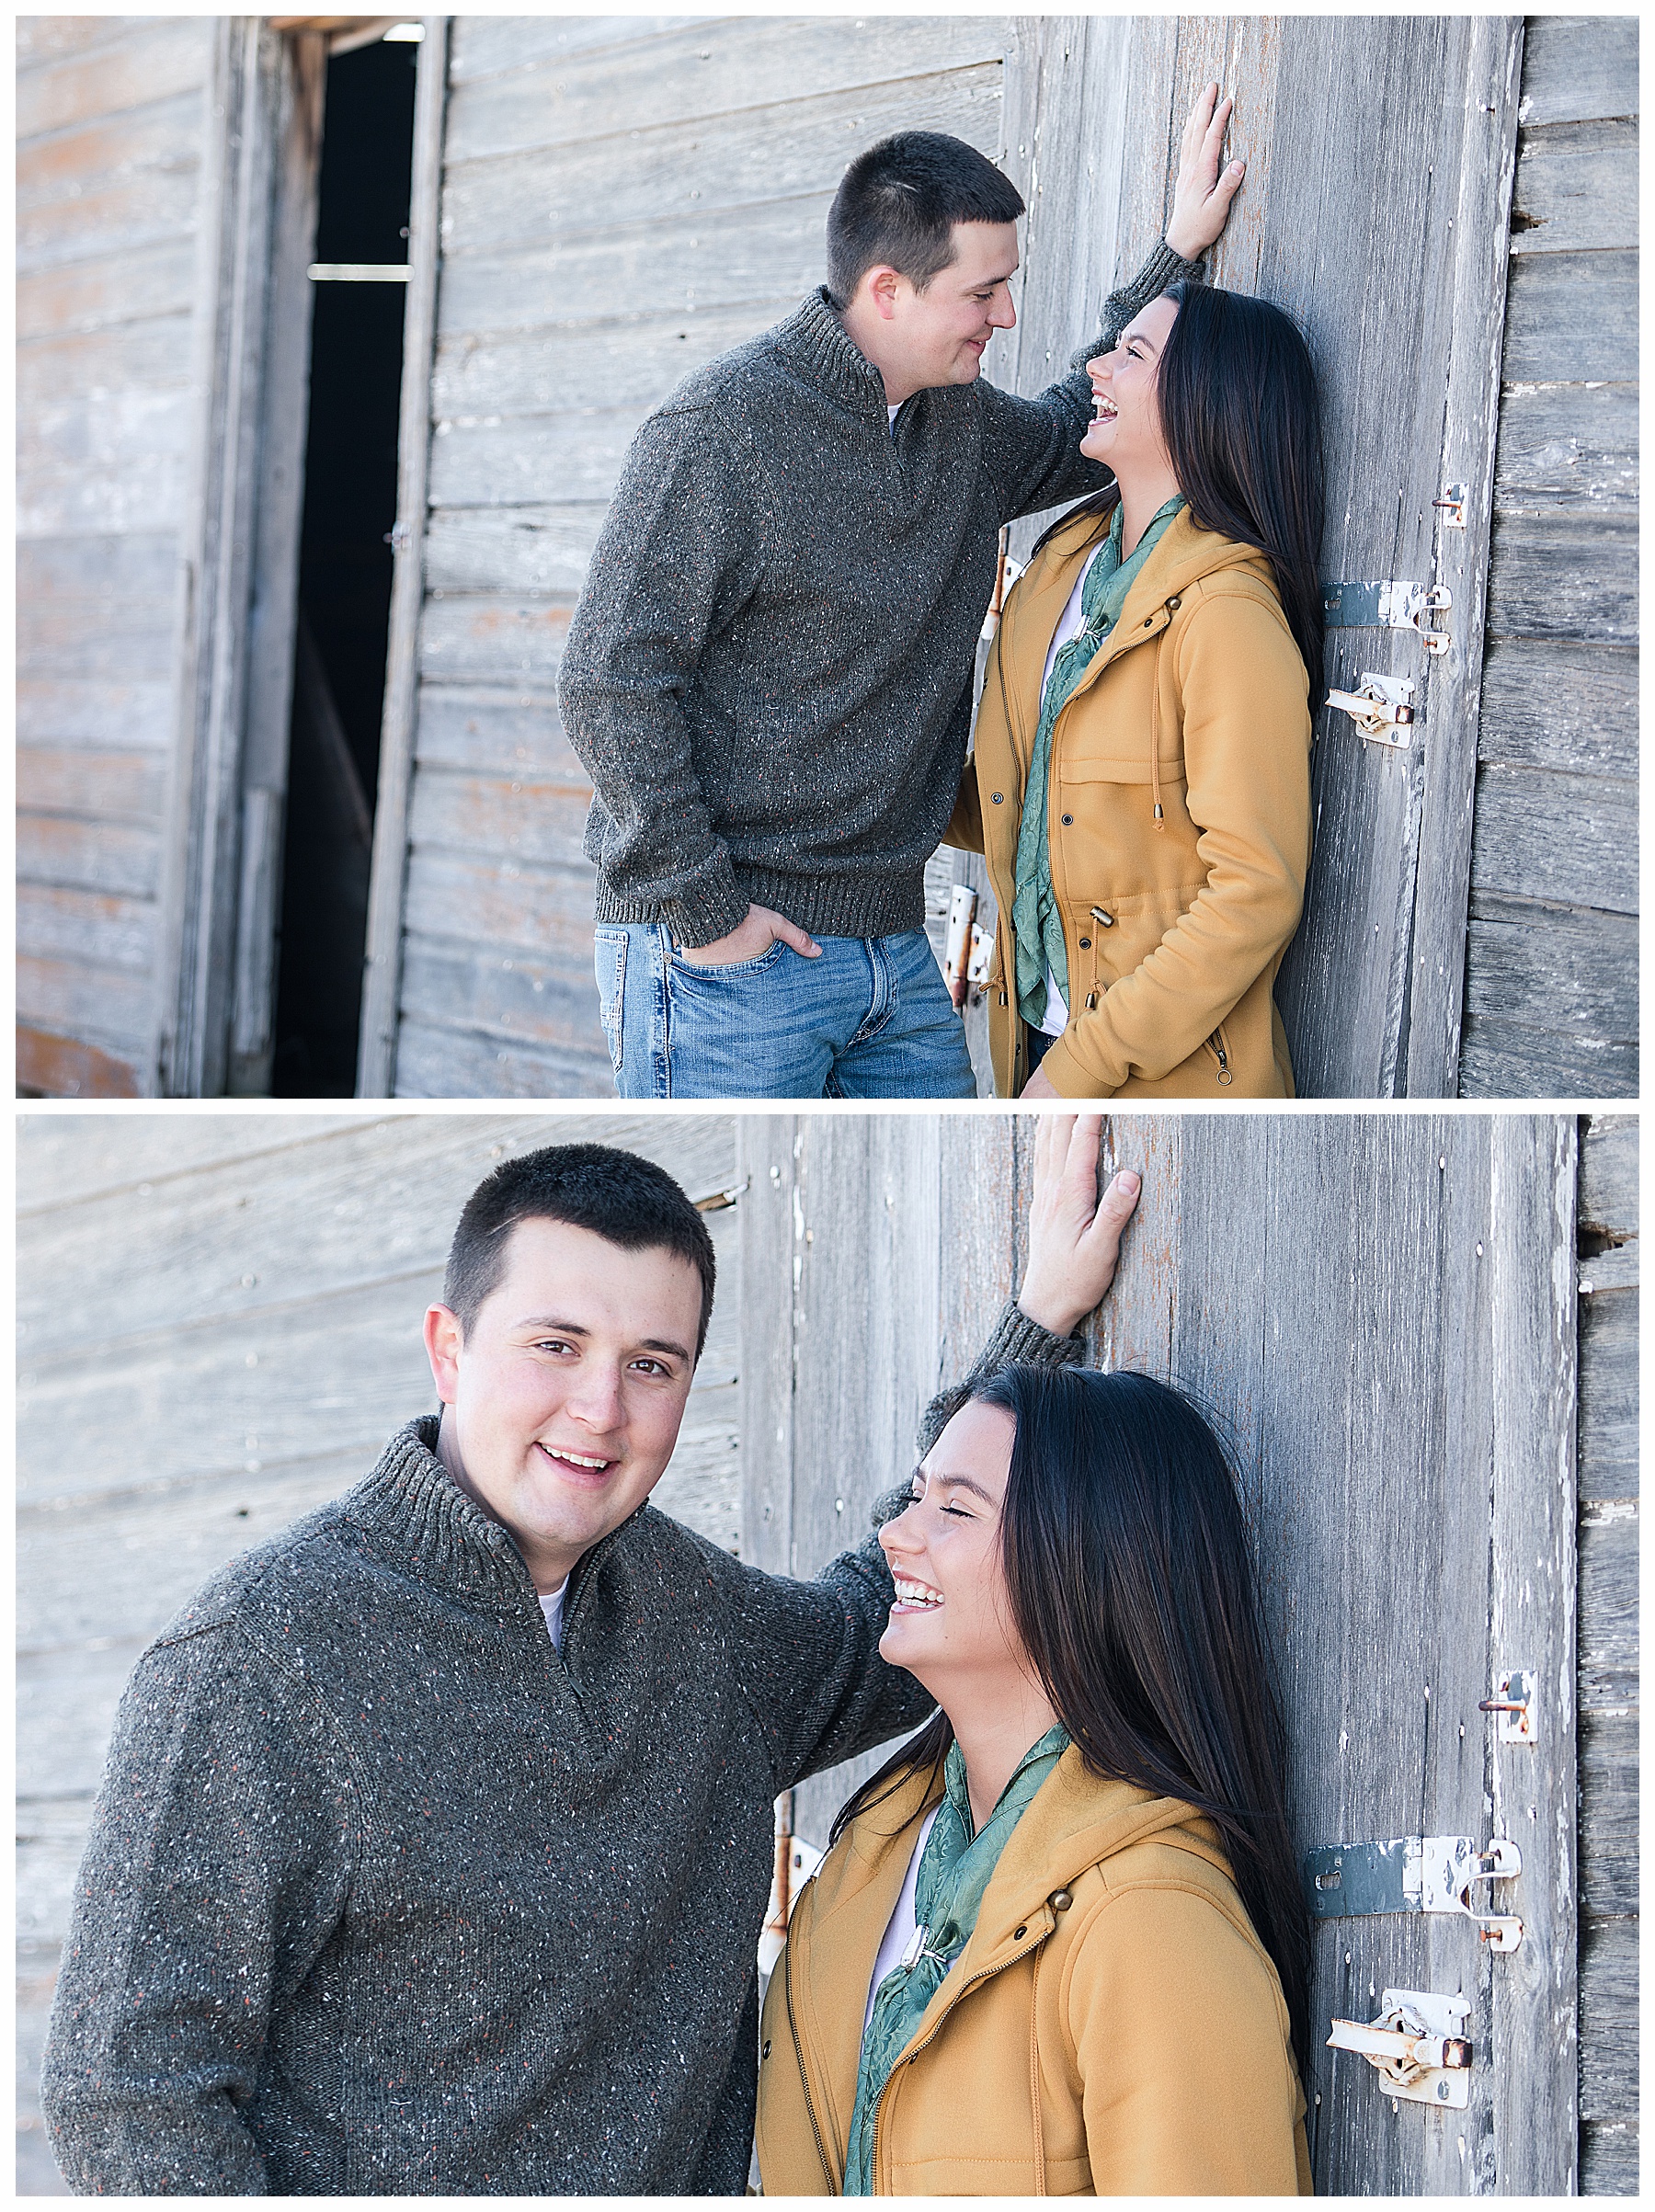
(385, 1894)
(769, 676)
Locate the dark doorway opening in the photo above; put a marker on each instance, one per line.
(345, 566)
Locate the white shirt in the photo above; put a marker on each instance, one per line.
(893, 413)
(1070, 624)
(899, 1930)
(552, 1606)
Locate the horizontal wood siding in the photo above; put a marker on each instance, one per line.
(623, 199)
(1551, 964)
(285, 1264)
(1608, 1661)
(109, 124)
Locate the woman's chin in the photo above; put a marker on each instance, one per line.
(905, 1642)
(1095, 445)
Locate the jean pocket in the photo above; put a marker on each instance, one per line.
(728, 970)
(608, 959)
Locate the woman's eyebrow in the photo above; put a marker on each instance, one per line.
(957, 1482)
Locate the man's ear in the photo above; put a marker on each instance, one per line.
(444, 1340)
(883, 285)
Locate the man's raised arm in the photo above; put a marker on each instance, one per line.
(826, 1693)
(1036, 442)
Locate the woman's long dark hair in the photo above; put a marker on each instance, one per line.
(1131, 1584)
(1241, 418)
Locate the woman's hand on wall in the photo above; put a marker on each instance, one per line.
(1201, 200)
(1074, 1233)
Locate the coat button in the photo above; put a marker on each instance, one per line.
(1018, 1934)
(999, 798)
(1068, 821)
(1060, 1902)
(765, 2052)
(1086, 944)
(1174, 605)
(1148, 622)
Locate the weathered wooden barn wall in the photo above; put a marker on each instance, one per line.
(1608, 1656)
(110, 131)
(1383, 1315)
(622, 196)
(220, 1322)
(1551, 990)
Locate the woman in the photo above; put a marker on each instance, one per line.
(1142, 785)
(1057, 1945)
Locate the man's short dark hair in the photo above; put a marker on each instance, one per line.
(899, 202)
(615, 1194)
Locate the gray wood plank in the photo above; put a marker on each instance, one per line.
(109, 786)
(1574, 975)
(633, 363)
(50, 38)
(152, 352)
(529, 549)
(802, 145)
(1564, 839)
(110, 1008)
(1568, 446)
(493, 638)
(511, 996)
(87, 855)
(1577, 189)
(96, 465)
(703, 70)
(765, 1162)
(123, 184)
(490, 730)
(90, 926)
(534, 458)
(1609, 2165)
(436, 1061)
(1609, 1468)
(65, 711)
(1608, 1653)
(544, 911)
(1576, 68)
(100, 295)
(158, 59)
(1609, 2019)
(697, 263)
(1506, 1060)
(487, 45)
(65, 1159)
(1592, 296)
(1609, 1822)
(523, 819)
(1556, 705)
(1609, 1175)
(1564, 576)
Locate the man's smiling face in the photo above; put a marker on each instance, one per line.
(562, 1402)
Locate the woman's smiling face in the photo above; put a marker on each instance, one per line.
(950, 1626)
(1127, 426)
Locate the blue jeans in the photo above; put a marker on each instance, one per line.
(870, 1018)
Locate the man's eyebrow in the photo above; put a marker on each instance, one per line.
(575, 1328)
(959, 1482)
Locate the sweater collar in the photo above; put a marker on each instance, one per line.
(816, 345)
(411, 1508)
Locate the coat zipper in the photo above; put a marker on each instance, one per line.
(988, 1974)
(793, 2029)
(1215, 1046)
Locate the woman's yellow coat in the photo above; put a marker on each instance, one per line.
(1175, 925)
(1112, 2028)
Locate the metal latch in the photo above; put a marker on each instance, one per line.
(1513, 1700)
(1383, 710)
(1414, 1874)
(1390, 605)
(1452, 505)
(1415, 2045)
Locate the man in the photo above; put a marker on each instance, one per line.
(769, 675)
(436, 1833)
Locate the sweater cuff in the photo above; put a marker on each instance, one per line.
(1016, 1338)
(707, 910)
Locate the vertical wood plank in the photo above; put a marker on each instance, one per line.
(1532, 1626)
(765, 1162)
(381, 974)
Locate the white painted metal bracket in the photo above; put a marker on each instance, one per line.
(1391, 603)
(1415, 2045)
(1414, 1874)
(1383, 710)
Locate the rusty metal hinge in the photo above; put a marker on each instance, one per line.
(1383, 710)
(1414, 1874)
(1391, 604)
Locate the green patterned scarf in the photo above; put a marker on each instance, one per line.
(954, 1870)
(1036, 921)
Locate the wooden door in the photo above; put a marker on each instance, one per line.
(1380, 151)
(1381, 1312)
